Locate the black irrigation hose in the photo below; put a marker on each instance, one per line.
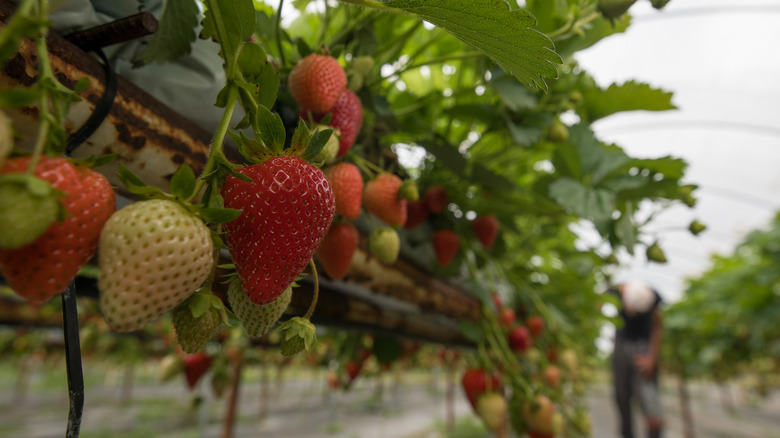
(70, 329)
(101, 109)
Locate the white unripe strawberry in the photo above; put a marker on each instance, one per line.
(152, 255)
(257, 319)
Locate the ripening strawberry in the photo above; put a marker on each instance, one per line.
(446, 244)
(520, 339)
(380, 198)
(486, 230)
(535, 324)
(347, 184)
(493, 409)
(337, 248)
(153, 255)
(416, 213)
(256, 319)
(475, 382)
(316, 82)
(43, 268)
(287, 210)
(436, 199)
(347, 117)
(195, 366)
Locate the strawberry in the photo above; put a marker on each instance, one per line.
(220, 381)
(347, 118)
(552, 376)
(486, 230)
(384, 244)
(337, 248)
(535, 324)
(195, 366)
(380, 198)
(520, 339)
(475, 383)
(287, 209)
(612, 9)
(353, 369)
(43, 268)
(316, 82)
(493, 409)
(170, 366)
(198, 320)
(552, 354)
(446, 244)
(539, 415)
(347, 184)
(436, 199)
(257, 319)
(507, 317)
(152, 255)
(416, 213)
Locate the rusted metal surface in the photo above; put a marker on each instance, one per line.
(150, 139)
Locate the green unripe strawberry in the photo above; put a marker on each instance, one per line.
(28, 206)
(696, 227)
(409, 191)
(659, 4)
(656, 254)
(220, 381)
(558, 132)
(384, 244)
(256, 319)
(197, 320)
(493, 409)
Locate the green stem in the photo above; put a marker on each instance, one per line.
(439, 60)
(351, 26)
(278, 32)
(366, 166)
(215, 151)
(316, 293)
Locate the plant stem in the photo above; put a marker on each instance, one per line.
(310, 312)
(215, 151)
(439, 60)
(379, 6)
(278, 32)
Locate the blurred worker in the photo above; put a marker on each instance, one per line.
(636, 354)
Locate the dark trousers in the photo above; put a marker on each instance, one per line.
(628, 384)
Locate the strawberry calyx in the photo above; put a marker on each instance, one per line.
(298, 333)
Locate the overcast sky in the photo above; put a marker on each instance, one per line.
(720, 58)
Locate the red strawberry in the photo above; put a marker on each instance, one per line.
(337, 248)
(347, 117)
(353, 369)
(43, 268)
(347, 186)
(552, 354)
(153, 255)
(287, 209)
(475, 383)
(380, 198)
(436, 199)
(486, 230)
(520, 339)
(446, 244)
(535, 324)
(317, 82)
(416, 213)
(195, 366)
(507, 316)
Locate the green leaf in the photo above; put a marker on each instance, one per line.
(506, 36)
(585, 202)
(231, 23)
(269, 129)
(630, 96)
(19, 97)
(669, 166)
(597, 161)
(523, 135)
(95, 161)
(626, 232)
(183, 182)
(218, 215)
(316, 143)
(135, 185)
(174, 35)
(471, 331)
(514, 95)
